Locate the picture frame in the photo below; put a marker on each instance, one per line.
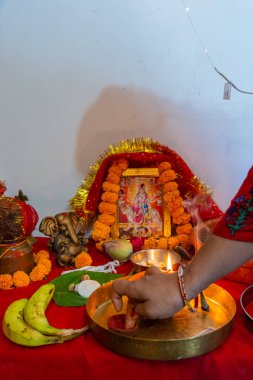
(140, 207)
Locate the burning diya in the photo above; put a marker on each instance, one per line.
(184, 335)
(164, 259)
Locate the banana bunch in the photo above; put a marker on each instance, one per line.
(25, 322)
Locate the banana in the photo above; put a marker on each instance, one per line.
(34, 314)
(15, 328)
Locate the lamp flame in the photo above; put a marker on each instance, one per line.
(169, 265)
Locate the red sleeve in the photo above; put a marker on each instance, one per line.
(237, 221)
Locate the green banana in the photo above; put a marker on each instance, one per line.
(34, 314)
(15, 328)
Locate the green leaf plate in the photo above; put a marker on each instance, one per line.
(62, 295)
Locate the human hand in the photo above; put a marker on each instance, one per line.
(156, 295)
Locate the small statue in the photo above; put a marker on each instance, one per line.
(68, 239)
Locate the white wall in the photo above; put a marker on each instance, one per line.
(78, 75)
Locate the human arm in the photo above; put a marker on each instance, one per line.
(157, 295)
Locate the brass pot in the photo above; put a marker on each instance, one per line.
(16, 256)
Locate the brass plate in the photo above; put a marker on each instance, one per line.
(174, 338)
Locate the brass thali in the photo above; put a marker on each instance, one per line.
(184, 335)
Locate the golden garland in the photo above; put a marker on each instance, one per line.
(171, 197)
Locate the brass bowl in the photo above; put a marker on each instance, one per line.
(154, 257)
(184, 335)
(245, 299)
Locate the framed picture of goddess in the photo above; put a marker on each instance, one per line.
(140, 205)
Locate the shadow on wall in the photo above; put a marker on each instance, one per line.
(124, 113)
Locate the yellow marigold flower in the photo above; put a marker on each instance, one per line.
(163, 166)
(82, 260)
(46, 263)
(171, 196)
(113, 178)
(37, 273)
(179, 211)
(162, 243)
(107, 208)
(20, 279)
(6, 281)
(108, 186)
(182, 219)
(173, 241)
(110, 197)
(185, 229)
(122, 164)
(41, 254)
(167, 175)
(169, 186)
(106, 219)
(115, 169)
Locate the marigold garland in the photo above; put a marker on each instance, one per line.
(41, 269)
(108, 206)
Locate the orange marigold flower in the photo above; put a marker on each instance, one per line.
(184, 238)
(42, 254)
(171, 196)
(106, 219)
(108, 186)
(175, 204)
(107, 208)
(185, 229)
(182, 219)
(115, 169)
(122, 164)
(6, 281)
(37, 273)
(169, 186)
(101, 226)
(162, 243)
(46, 263)
(98, 235)
(110, 197)
(113, 178)
(151, 242)
(176, 213)
(164, 166)
(20, 279)
(173, 241)
(82, 260)
(167, 175)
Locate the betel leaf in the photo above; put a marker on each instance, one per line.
(64, 297)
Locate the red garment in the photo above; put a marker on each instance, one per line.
(237, 222)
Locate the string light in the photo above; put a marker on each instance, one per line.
(229, 83)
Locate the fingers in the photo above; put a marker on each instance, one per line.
(152, 271)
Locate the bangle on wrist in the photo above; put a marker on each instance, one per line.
(180, 274)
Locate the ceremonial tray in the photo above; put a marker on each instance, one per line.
(184, 335)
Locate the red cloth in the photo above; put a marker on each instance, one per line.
(85, 358)
(237, 222)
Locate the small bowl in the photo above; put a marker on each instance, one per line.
(245, 300)
(147, 258)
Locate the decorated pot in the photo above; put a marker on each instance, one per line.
(17, 219)
(16, 256)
